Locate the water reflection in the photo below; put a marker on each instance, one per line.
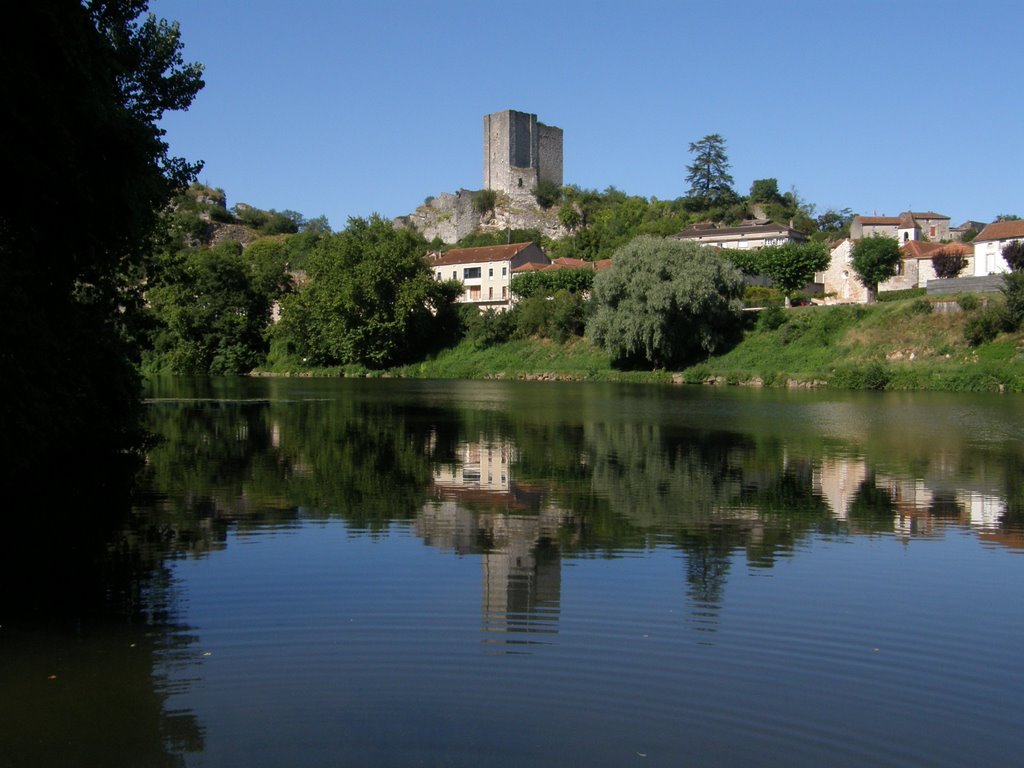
(526, 480)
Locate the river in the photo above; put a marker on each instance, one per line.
(317, 572)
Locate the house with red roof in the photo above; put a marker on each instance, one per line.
(486, 272)
(565, 262)
(908, 226)
(989, 244)
(917, 266)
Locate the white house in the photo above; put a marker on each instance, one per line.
(743, 237)
(989, 244)
(486, 272)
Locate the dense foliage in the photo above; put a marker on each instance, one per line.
(213, 306)
(371, 299)
(1013, 253)
(526, 285)
(875, 259)
(790, 267)
(664, 301)
(84, 86)
(948, 264)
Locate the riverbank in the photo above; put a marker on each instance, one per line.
(913, 344)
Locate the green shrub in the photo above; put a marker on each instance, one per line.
(968, 302)
(487, 328)
(920, 307)
(762, 296)
(484, 201)
(1013, 290)
(985, 325)
(221, 215)
(771, 318)
(547, 193)
(697, 374)
(874, 375)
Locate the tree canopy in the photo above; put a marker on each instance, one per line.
(213, 305)
(948, 264)
(791, 266)
(371, 299)
(708, 175)
(663, 302)
(875, 259)
(1013, 253)
(84, 86)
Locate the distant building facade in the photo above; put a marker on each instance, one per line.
(486, 272)
(744, 237)
(908, 226)
(519, 152)
(989, 244)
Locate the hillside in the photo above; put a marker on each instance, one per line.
(911, 344)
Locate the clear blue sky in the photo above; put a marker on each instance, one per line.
(349, 108)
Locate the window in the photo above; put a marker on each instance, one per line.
(490, 271)
(504, 271)
(504, 291)
(470, 272)
(490, 292)
(455, 275)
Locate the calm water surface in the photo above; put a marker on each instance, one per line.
(384, 573)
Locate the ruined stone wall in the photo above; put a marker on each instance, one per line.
(449, 217)
(550, 153)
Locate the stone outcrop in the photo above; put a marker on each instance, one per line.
(217, 233)
(451, 217)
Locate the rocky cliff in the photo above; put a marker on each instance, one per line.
(451, 217)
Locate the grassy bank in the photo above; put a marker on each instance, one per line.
(896, 345)
(900, 345)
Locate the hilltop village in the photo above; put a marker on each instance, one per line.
(522, 182)
(619, 283)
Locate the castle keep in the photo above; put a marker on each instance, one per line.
(519, 152)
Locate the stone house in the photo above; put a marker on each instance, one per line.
(957, 233)
(486, 272)
(989, 244)
(841, 284)
(744, 237)
(839, 280)
(908, 226)
(916, 268)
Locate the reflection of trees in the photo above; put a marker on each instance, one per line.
(258, 464)
(88, 620)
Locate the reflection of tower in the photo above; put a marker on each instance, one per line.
(522, 574)
(479, 509)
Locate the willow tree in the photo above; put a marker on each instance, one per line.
(664, 302)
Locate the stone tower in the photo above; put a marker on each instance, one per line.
(519, 151)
